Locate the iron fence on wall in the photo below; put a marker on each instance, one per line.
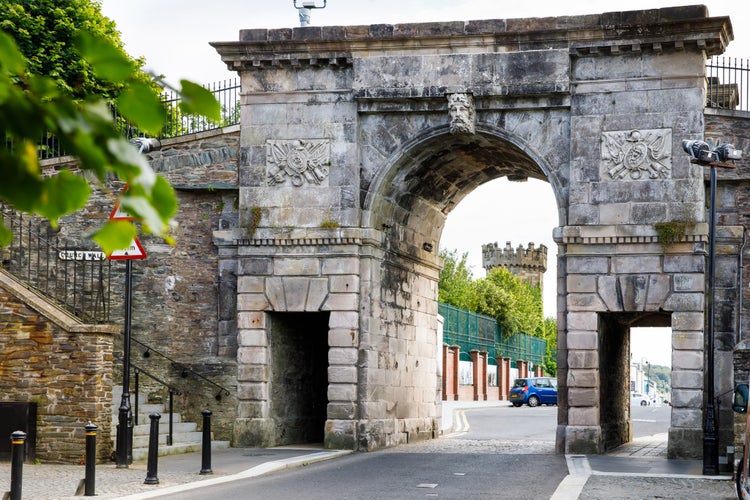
(728, 84)
(470, 330)
(177, 123)
(74, 277)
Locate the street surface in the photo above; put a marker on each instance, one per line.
(505, 452)
(489, 461)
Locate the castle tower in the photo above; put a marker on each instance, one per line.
(528, 264)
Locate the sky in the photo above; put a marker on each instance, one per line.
(173, 36)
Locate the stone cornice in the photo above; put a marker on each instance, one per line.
(285, 242)
(675, 28)
(624, 234)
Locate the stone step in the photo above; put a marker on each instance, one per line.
(185, 436)
(182, 428)
(143, 418)
(141, 440)
(177, 448)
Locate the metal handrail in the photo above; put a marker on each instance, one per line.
(184, 369)
(172, 391)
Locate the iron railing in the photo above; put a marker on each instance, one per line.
(728, 82)
(184, 370)
(469, 331)
(177, 123)
(74, 277)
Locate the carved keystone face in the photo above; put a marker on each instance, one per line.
(462, 113)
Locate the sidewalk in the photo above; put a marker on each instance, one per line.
(638, 470)
(175, 473)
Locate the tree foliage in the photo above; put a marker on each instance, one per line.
(456, 281)
(45, 32)
(516, 305)
(36, 100)
(548, 332)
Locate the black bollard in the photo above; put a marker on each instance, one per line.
(18, 449)
(206, 445)
(153, 450)
(122, 434)
(90, 479)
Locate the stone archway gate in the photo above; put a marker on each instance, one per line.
(356, 143)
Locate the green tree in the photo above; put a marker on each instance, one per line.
(34, 104)
(45, 32)
(456, 284)
(523, 310)
(548, 331)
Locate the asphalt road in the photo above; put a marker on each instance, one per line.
(487, 462)
(507, 452)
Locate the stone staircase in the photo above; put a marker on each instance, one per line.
(186, 437)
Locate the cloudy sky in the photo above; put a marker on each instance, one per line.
(173, 36)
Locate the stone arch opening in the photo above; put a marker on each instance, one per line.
(299, 376)
(410, 203)
(614, 366)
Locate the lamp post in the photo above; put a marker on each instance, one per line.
(703, 154)
(304, 7)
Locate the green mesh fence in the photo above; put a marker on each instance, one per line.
(469, 331)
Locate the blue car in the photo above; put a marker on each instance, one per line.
(534, 391)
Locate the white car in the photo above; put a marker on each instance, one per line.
(639, 399)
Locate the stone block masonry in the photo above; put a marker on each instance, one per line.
(65, 367)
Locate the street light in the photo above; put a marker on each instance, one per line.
(704, 154)
(304, 7)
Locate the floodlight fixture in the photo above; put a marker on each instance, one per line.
(727, 152)
(699, 151)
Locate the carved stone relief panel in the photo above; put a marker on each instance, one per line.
(298, 161)
(636, 154)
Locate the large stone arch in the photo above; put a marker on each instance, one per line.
(341, 205)
(489, 153)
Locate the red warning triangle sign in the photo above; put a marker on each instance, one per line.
(117, 213)
(134, 252)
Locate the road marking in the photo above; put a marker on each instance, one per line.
(579, 471)
(427, 485)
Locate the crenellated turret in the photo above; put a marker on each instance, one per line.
(529, 264)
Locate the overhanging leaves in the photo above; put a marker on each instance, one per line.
(199, 101)
(115, 235)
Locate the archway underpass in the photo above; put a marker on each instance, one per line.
(357, 141)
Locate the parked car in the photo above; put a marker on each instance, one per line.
(639, 399)
(534, 391)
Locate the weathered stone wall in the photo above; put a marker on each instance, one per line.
(63, 366)
(732, 266)
(177, 306)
